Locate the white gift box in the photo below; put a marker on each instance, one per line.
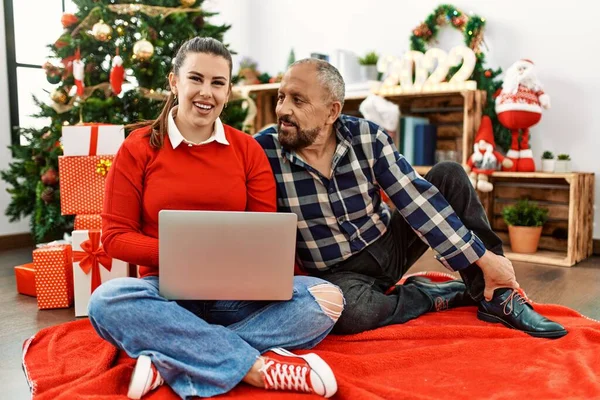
(92, 140)
(91, 267)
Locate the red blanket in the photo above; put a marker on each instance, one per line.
(446, 355)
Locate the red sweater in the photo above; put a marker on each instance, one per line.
(142, 181)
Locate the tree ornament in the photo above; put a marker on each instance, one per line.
(199, 22)
(68, 20)
(152, 34)
(101, 31)
(53, 73)
(78, 73)
(63, 41)
(59, 96)
(187, 3)
(48, 195)
(117, 74)
(488, 73)
(39, 159)
(143, 50)
(50, 177)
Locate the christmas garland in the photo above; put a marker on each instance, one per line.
(472, 28)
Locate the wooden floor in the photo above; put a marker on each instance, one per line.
(577, 287)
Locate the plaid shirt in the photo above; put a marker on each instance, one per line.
(339, 216)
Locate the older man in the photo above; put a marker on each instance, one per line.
(330, 168)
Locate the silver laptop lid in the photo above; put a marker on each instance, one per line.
(222, 255)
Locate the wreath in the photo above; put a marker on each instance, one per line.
(472, 28)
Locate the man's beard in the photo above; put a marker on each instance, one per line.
(300, 139)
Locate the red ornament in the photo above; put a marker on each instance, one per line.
(459, 21)
(59, 44)
(117, 74)
(50, 177)
(68, 19)
(488, 73)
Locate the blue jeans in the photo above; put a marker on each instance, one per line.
(204, 348)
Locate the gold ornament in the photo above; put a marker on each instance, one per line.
(188, 3)
(103, 166)
(101, 31)
(143, 50)
(59, 96)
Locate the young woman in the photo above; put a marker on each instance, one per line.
(188, 160)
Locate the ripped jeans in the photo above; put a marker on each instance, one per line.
(205, 348)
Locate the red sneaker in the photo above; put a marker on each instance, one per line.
(145, 378)
(306, 373)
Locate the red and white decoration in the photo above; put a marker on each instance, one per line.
(117, 74)
(78, 73)
(92, 267)
(485, 159)
(519, 107)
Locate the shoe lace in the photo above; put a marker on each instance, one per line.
(440, 304)
(509, 302)
(285, 376)
(157, 380)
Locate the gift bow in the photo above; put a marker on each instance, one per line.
(91, 257)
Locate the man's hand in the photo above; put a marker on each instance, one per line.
(498, 272)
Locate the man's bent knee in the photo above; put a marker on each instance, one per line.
(356, 320)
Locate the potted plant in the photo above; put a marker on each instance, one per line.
(368, 66)
(548, 161)
(563, 163)
(525, 221)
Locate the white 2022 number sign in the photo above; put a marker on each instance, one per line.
(426, 78)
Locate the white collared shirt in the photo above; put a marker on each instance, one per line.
(177, 138)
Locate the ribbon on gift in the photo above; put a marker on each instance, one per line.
(92, 256)
(94, 141)
(93, 137)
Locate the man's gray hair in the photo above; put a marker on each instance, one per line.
(328, 76)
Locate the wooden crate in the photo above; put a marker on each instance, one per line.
(567, 236)
(457, 115)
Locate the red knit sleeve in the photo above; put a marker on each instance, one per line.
(260, 183)
(121, 217)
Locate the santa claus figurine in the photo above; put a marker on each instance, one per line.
(519, 106)
(485, 159)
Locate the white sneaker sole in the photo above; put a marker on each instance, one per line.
(319, 366)
(140, 378)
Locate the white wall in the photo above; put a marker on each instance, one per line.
(560, 42)
(6, 228)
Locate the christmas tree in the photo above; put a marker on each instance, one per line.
(114, 56)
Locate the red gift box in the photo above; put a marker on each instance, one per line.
(25, 277)
(87, 222)
(54, 276)
(82, 183)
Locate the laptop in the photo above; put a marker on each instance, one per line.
(225, 255)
